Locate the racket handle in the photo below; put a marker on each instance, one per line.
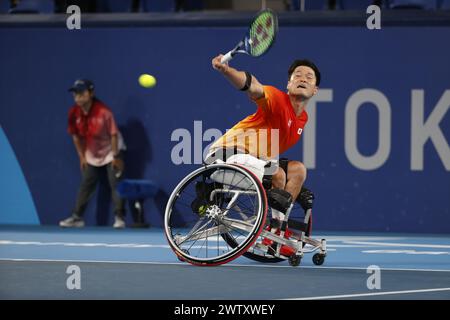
(227, 57)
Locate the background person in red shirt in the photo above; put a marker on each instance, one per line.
(98, 143)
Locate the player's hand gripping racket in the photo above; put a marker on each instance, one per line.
(259, 38)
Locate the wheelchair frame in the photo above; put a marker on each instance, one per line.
(251, 247)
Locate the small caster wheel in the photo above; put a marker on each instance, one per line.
(318, 259)
(179, 257)
(294, 260)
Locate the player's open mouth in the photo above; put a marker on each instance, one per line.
(301, 86)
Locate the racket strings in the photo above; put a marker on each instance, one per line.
(262, 34)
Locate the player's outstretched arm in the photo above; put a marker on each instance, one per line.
(238, 78)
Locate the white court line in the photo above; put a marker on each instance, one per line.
(83, 244)
(388, 244)
(91, 245)
(224, 265)
(134, 245)
(358, 238)
(410, 252)
(92, 261)
(371, 294)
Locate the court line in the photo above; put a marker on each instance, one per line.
(388, 244)
(128, 245)
(360, 238)
(410, 252)
(348, 244)
(371, 294)
(226, 265)
(83, 244)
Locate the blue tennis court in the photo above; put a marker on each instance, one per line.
(138, 264)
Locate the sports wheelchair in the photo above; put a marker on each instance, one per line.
(220, 212)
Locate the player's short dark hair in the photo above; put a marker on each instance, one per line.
(307, 63)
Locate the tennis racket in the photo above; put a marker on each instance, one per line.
(259, 38)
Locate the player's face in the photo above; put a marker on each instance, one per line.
(302, 82)
(83, 99)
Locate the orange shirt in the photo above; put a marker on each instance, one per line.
(270, 131)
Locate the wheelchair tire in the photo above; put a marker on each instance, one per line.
(197, 241)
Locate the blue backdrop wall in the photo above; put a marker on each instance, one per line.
(377, 145)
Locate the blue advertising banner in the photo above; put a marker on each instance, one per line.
(376, 145)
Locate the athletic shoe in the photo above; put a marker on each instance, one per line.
(119, 223)
(72, 222)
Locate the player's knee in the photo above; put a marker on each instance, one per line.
(297, 170)
(279, 179)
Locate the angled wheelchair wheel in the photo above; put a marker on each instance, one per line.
(212, 204)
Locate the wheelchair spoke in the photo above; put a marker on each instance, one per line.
(194, 230)
(206, 240)
(209, 232)
(240, 212)
(205, 234)
(247, 209)
(237, 224)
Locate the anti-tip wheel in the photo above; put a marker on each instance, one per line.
(295, 260)
(318, 259)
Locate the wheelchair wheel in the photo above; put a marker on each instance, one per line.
(202, 213)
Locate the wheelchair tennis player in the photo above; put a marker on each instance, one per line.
(218, 212)
(277, 110)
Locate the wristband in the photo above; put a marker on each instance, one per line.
(248, 81)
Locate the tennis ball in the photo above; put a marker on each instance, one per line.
(147, 81)
(202, 210)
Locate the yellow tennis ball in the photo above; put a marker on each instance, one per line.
(147, 81)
